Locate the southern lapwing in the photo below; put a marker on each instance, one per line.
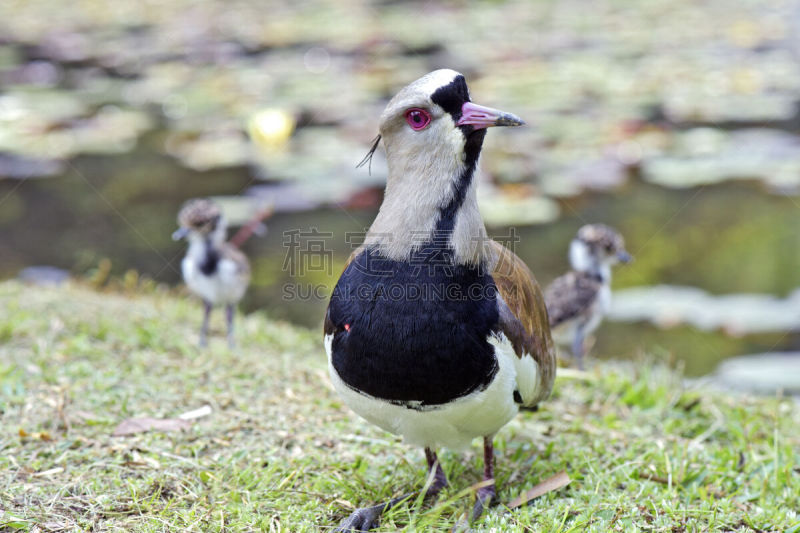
(435, 332)
(216, 271)
(578, 300)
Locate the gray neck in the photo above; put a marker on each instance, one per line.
(429, 198)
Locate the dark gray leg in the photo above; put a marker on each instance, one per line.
(204, 328)
(577, 347)
(365, 518)
(229, 321)
(439, 477)
(484, 496)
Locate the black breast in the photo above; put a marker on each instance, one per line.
(413, 332)
(210, 261)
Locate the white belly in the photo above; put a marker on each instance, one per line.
(454, 424)
(224, 286)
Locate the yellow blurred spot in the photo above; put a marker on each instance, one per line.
(270, 128)
(747, 81)
(99, 277)
(744, 33)
(36, 435)
(130, 280)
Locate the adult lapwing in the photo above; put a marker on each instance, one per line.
(435, 332)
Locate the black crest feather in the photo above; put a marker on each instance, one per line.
(368, 157)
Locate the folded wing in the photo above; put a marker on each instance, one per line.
(524, 322)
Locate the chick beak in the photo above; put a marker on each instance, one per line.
(180, 233)
(624, 257)
(481, 117)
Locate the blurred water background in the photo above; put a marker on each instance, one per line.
(677, 122)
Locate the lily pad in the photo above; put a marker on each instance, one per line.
(214, 149)
(736, 314)
(706, 156)
(765, 373)
(514, 206)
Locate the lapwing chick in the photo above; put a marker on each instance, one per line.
(435, 332)
(213, 269)
(578, 300)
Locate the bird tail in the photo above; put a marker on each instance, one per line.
(254, 225)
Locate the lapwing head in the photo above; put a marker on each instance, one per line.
(433, 133)
(200, 219)
(434, 115)
(596, 246)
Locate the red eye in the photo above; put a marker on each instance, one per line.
(418, 118)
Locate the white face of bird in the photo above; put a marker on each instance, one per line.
(580, 256)
(432, 134)
(596, 248)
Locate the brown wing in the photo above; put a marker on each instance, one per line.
(523, 315)
(570, 295)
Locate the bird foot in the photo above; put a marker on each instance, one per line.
(483, 499)
(362, 519)
(365, 518)
(438, 485)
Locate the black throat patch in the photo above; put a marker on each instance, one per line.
(209, 265)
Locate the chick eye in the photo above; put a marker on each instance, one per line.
(418, 118)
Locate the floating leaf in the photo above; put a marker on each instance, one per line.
(766, 373)
(514, 207)
(737, 314)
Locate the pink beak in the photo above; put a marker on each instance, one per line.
(485, 117)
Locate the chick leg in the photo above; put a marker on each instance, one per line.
(229, 311)
(578, 347)
(204, 328)
(365, 518)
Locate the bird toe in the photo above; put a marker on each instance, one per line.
(483, 499)
(361, 519)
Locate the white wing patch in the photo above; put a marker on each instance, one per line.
(527, 371)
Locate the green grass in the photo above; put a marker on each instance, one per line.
(645, 451)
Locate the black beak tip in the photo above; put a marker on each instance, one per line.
(507, 119)
(624, 257)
